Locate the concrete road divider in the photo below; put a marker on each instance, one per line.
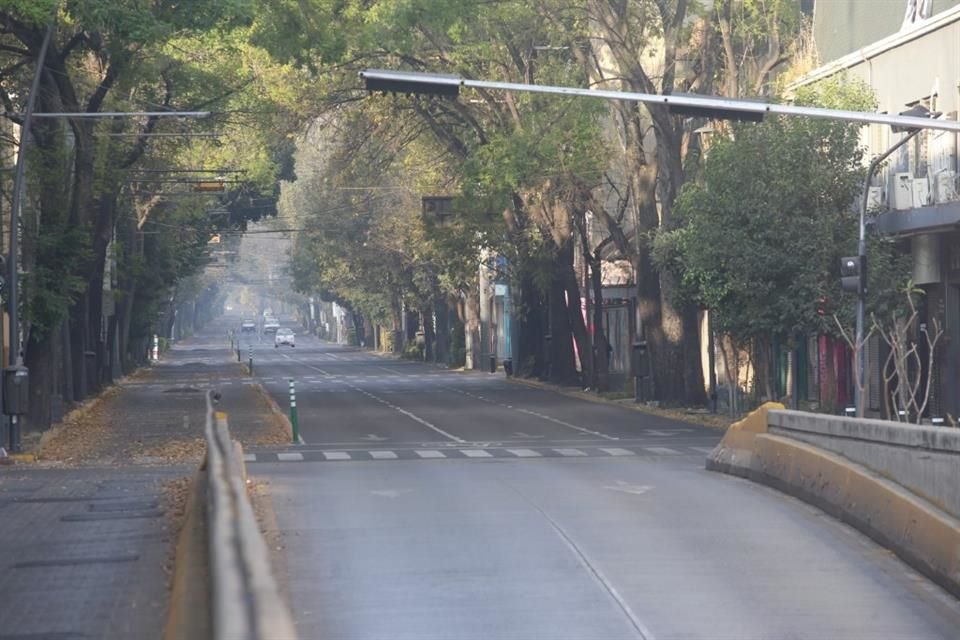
(889, 480)
(242, 599)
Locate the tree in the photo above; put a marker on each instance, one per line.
(761, 233)
(89, 199)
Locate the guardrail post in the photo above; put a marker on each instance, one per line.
(294, 418)
(250, 361)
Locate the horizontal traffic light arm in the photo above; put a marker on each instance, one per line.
(448, 85)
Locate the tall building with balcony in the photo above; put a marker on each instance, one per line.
(908, 51)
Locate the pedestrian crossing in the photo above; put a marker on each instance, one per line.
(470, 453)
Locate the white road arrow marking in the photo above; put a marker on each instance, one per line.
(389, 493)
(625, 487)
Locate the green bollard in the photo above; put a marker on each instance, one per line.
(294, 419)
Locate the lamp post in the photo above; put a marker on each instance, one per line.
(13, 258)
(917, 111)
(914, 120)
(448, 86)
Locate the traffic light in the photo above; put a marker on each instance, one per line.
(853, 273)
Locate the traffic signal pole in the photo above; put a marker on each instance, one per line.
(859, 385)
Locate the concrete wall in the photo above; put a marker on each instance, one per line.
(925, 460)
(852, 470)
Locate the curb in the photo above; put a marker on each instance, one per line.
(191, 570)
(278, 413)
(920, 534)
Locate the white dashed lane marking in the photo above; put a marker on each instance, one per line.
(526, 453)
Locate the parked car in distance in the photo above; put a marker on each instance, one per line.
(284, 336)
(248, 326)
(270, 325)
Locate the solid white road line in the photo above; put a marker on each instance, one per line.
(532, 413)
(410, 415)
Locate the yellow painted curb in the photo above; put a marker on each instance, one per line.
(188, 615)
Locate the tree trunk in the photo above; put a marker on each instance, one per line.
(563, 369)
(443, 331)
(40, 360)
(397, 326)
(471, 321)
(532, 323)
(426, 321)
(601, 345)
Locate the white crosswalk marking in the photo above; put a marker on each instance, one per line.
(524, 453)
(570, 452)
(249, 457)
(290, 457)
(383, 455)
(431, 454)
(706, 450)
(336, 455)
(476, 453)
(664, 451)
(616, 451)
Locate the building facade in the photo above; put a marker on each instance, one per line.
(908, 51)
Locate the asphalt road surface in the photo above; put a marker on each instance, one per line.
(425, 504)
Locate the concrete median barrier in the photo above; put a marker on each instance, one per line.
(223, 583)
(860, 472)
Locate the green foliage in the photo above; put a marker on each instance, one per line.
(35, 12)
(53, 285)
(762, 233)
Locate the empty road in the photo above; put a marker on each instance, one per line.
(425, 504)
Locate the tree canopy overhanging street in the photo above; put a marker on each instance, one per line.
(401, 232)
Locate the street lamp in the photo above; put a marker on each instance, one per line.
(448, 85)
(914, 120)
(917, 112)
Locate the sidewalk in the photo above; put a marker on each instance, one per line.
(89, 528)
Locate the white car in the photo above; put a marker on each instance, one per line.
(284, 336)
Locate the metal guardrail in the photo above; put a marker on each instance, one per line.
(244, 595)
